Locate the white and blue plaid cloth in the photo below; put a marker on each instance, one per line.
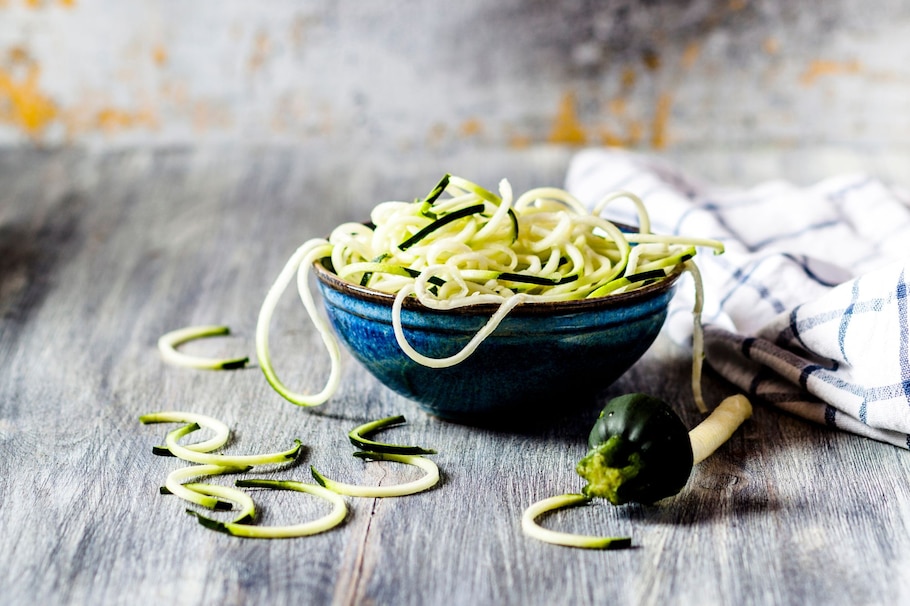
(808, 308)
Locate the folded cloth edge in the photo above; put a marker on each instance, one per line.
(766, 371)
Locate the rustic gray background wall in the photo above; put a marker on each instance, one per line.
(687, 78)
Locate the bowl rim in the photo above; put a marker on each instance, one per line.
(640, 295)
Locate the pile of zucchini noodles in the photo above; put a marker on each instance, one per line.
(463, 245)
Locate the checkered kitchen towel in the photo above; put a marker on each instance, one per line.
(807, 309)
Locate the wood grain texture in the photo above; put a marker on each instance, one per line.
(102, 253)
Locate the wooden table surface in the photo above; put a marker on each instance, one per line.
(101, 253)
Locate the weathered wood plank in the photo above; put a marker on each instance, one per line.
(103, 253)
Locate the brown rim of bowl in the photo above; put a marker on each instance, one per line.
(545, 307)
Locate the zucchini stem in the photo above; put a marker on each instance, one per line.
(717, 428)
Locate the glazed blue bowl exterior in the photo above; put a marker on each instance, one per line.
(543, 357)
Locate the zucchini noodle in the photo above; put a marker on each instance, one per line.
(174, 484)
(534, 530)
(427, 481)
(206, 458)
(240, 529)
(167, 346)
(222, 433)
(473, 247)
(247, 506)
(359, 438)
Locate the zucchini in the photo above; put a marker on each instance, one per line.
(640, 450)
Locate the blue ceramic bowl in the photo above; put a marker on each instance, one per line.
(544, 358)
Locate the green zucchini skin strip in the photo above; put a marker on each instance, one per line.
(204, 458)
(437, 190)
(358, 437)
(167, 347)
(327, 522)
(441, 222)
(514, 218)
(537, 280)
(399, 490)
(532, 529)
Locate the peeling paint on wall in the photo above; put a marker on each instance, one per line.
(262, 49)
(513, 73)
(567, 127)
(159, 55)
(659, 130)
(39, 4)
(471, 127)
(22, 102)
(820, 68)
